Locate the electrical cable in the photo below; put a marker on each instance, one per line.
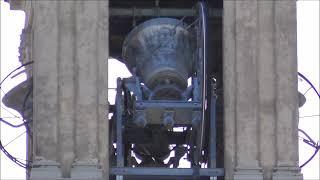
(307, 91)
(14, 139)
(2, 148)
(309, 116)
(307, 80)
(25, 122)
(309, 140)
(23, 65)
(311, 143)
(15, 160)
(14, 116)
(12, 125)
(25, 99)
(313, 155)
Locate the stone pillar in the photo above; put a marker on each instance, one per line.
(91, 45)
(260, 90)
(241, 95)
(69, 47)
(266, 80)
(45, 68)
(66, 84)
(247, 162)
(285, 25)
(229, 89)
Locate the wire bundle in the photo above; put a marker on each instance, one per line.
(25, 122)
(309, 140)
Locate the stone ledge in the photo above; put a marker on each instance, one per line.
(287, 172)
(45, 172)
(86, 172)
(51, 172)
(248, 174)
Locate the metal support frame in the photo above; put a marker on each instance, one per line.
(196, 105)
(121, 171)
(119, 132)
(161, 12)
(213, 128)
(168, 104)
(168, 171)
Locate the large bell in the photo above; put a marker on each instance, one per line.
(160, 52)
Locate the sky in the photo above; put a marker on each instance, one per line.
(12, 23)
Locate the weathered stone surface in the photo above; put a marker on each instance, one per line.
(260, 90)
(246, 84)
(45, 68)
(68, 42)
(229, 75)
(287, 83)
(266, 87)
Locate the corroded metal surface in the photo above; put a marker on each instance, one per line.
(160, 52)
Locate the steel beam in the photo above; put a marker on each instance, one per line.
(167, 104)
(212, 172)
(213, 132)
(120, 146)
(161, 12)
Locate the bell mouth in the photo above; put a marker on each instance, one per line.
(166, 76)
(167, 92)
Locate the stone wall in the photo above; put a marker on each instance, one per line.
(68, 41)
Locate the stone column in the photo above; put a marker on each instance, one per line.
(246, 91)
(285, 24)
(241, 90)
(70, 51)
(45, 68)
(266, 77)
(91, 46)
(66, 84)
(260, 90)
(229, 89)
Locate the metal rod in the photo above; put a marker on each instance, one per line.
(203, 23)
(13, 125)
(213, 128)
(167, 12)
(120, 158)
(167, 104)
(193, 23)
(167, 171)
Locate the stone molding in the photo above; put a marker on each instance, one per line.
(248, 174)
(287, 172)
